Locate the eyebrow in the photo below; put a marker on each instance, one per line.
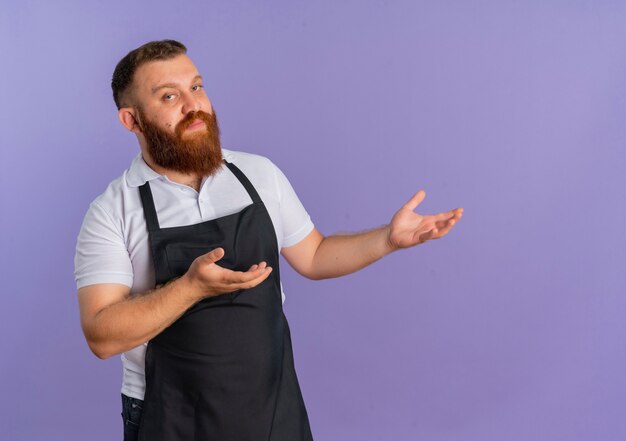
(173, 85)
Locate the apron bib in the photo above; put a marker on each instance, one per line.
(224, 370)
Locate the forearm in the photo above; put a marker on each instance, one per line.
(124, 325)
(319, 257)
(343, 254)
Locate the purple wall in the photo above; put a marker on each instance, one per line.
(511, 328)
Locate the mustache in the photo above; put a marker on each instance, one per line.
(199, 153)
(190, 118)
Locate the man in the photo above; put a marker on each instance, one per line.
(181, 252)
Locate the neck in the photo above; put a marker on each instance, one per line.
(191, 180)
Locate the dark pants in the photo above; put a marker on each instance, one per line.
(131, 416)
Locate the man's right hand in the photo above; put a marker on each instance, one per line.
(207, 279)
(114, 321)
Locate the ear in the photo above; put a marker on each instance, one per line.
(128, 118)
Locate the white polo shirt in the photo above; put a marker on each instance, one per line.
(112, 246)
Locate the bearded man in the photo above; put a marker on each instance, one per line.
(177, 266)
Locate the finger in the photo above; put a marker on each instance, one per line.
(446, 228)
(235, 277)
(254, 282)
(447, 222)
(457, 212)
(260, 265)
(444, 216)
(415, 200)
(212, 256)
(247, 282)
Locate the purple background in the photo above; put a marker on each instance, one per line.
(510, 328)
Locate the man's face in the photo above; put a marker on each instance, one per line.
(177, 122)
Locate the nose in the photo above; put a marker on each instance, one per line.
(190, 104)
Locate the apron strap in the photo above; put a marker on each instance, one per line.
(152, 221)
(245, 182)
(148, 207)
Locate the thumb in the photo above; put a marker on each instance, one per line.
(212, 256)
(415, 200)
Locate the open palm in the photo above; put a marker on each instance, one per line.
(408, 228)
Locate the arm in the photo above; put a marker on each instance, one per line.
(318, 257)
(114, 322)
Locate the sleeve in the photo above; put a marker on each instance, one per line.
(101, 254)
(296, 221)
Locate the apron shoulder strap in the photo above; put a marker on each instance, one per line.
(245, 182)
(148, 207)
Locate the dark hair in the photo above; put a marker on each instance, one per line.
(126, 68)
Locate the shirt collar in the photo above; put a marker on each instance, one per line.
(139, 172)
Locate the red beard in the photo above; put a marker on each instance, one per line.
(198, 152)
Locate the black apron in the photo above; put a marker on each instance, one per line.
(223, 371)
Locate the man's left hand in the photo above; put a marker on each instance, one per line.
(408, 228)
